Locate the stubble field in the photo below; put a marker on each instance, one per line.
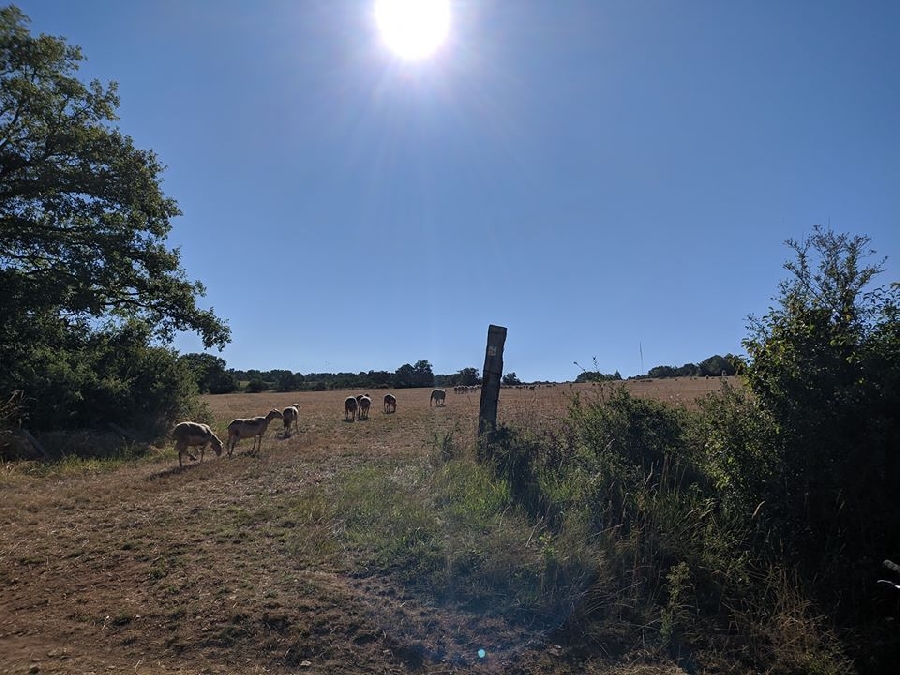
(243, 564)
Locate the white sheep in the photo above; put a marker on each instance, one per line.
(194, 434)
(350, 406)
(438, 397)
(245, 428)
(390, 403)
(291, 416)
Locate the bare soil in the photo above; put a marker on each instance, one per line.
(149, 568)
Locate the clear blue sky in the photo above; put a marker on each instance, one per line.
(601, 178)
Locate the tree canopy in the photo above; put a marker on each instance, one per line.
(84, 263)
(83, 219)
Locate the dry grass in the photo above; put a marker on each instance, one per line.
(239, 565)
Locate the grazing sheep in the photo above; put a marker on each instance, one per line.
(438, 396)
(350, 406)
(291, 416)
(364, 403)
(245, 428)
(194, 434)
(390, 403)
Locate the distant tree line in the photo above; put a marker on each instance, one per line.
(596, 376)
(214, 377)
(713, 366)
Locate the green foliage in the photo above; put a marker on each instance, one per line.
(408, 376)
(90, 290)
(210, 374)
(96, 376)
(514, 458)
(664, 501)
(468, 377)
(447, 534)
(665, 371)
(738, 437)
(595, 375)
(257, 385)
(285, 380)
(824, 366)
(511, 380)
(639, 432)
(405, 377)
(714, 366)
(83, 220)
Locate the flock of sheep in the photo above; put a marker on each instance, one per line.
(189, 435)
(196, 434)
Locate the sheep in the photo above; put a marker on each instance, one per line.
(350, 406)
(438, 397)
(291, 416)
(390, 403)
(194, 434)
(364, 403)
(245, 428)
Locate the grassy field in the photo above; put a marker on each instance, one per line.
(296, 558)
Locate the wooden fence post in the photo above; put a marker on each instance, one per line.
(490, 379)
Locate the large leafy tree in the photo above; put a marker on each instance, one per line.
(83, 255)
(83, 219)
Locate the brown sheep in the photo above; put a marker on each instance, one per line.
(291, 417)
(364, 404)
(194, 434)
(245, 428)
(350, 406)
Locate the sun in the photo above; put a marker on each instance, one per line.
(413, 29)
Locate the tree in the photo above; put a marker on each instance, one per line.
(511, 380)
(422, 374)
(408, 376)
(824, 364)
(83, 219)
(83, 260)
(717, 365)
(210, 374)
(662, 371)
(379, 378)
(468, 377)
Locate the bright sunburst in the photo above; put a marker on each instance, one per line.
(413, 29)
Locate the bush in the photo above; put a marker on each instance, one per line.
(92, 378)
(825, 370)
(658, 497)
(256, 386)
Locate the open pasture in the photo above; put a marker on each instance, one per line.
(416, 420)
(244, 564)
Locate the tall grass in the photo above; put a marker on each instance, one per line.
(451, 532)
(626, 484)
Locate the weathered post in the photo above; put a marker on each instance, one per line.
(490, 379)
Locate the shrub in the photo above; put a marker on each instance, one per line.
(113, 375)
